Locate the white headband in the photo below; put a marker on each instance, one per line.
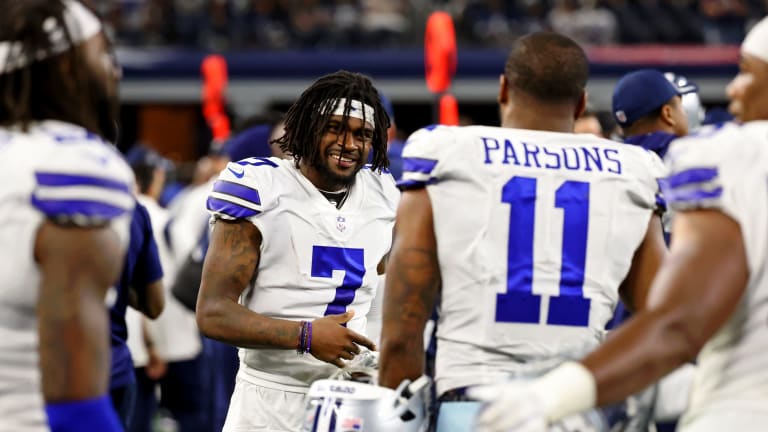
(756, 42)
(356, 109)
(81, 24)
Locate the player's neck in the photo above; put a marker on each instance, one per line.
(553, 118)
(323, 180)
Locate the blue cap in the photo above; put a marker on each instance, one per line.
(639, 93)
(251, 142)
(142, 156)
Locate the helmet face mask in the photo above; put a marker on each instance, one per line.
(349, 406)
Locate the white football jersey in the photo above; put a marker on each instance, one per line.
(726, 168)
(62, 172)
(316, 260)
(535, 232)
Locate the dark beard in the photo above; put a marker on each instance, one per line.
(330, 178)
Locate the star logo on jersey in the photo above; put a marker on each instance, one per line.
(341, 223)
(237, 171)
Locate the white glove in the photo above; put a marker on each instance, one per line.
(530, 406)
(512, 407)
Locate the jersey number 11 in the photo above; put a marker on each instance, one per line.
(519, 304)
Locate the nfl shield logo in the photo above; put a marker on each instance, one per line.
(341, 223)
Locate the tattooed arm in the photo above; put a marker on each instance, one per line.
(230, 264)
(413, 283)
(77, 265)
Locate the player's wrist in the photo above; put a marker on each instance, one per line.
(568, 389)
(89, 414)
(304, 344)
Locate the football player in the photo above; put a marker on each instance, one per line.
(508, 225)
(65, 205)
(296, 251)
(709, 300)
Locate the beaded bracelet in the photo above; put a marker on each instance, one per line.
(300, 349)
(305, 338)
(308, 345)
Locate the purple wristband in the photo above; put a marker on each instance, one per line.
(309, 337)
(302, 338)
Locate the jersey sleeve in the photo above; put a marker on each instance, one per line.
(724, 171)
(421, 156)
(85, 185)
(702, 170)
(240, 189)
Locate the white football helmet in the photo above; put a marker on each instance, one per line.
(349, 406)
(692, 105)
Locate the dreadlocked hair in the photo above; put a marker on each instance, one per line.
(307, 118)
(41, 89)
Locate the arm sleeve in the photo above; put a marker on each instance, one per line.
(239, 191)
(85, 188)
(421, 156)
(723, 171)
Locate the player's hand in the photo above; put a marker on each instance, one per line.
(334, 343)
(511, 407)
(156, 366)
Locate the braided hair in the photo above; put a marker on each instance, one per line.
(307, 118)
(61, 87)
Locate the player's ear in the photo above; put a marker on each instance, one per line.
(503, 96)
(581, 105)
(666, 114)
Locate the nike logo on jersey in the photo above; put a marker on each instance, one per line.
(237, 172)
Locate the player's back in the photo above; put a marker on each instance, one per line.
(726, 168)
(535, 231)
(61, 172)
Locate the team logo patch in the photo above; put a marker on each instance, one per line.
(621, 116)
(352, 424)
(341, 223)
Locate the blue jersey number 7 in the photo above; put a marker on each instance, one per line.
(326, 259)
(519, 304)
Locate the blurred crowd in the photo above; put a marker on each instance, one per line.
(329, 24)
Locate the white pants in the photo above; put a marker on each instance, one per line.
(722, 421)
(254, 407)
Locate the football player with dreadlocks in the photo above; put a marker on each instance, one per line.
(65, 206)
(297, 250)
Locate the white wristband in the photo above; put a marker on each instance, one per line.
(568, 389)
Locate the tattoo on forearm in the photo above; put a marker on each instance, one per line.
(418, 279)
(232, 264)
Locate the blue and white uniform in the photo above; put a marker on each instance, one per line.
(725, 168)
(531, 257)
(60, 172)
(315, 260)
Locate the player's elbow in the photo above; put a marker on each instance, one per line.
(155, 300)
(204, 318)
(681, 329)
(208, 314)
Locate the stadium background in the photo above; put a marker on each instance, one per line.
(275, 48)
